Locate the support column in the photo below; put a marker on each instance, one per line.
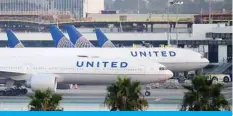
(170, 27)
(152, 27)
(199, 71)
(186, 74)
(146, 27)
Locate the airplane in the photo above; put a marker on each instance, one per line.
(42, 68)
(102, 40)
(77, 38)
(14, 42)
(175, 59)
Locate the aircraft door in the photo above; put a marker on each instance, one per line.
(143, 70)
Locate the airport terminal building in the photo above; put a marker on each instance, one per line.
(76, 8)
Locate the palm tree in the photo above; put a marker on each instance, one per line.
(203, 95)
(45, 101)
(125, 95)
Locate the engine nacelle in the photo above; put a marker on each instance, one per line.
(43, 81)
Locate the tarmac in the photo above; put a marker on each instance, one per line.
(91, 98)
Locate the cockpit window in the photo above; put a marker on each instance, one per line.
(162, 68)
(202, 56)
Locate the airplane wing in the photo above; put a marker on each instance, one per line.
(10, 74)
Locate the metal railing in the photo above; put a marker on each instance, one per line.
(222, 68)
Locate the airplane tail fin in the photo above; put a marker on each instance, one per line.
(59, 38)
(77, 38)
(13, 41)
(102, 40)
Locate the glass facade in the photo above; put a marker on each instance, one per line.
(213, 53)
(43, 6)
(229, 53)
(203, 42)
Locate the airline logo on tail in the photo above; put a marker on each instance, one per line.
(19, 45)
(108, 44)
(102, 40)
(82, 42)
(104, 64)
(59, 38)
(153, 53)
(77, 38)
(64, 43)
(13, 41)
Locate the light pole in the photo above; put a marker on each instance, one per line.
(210, 12)
(138, 7)
(177, 10)
(168, 29)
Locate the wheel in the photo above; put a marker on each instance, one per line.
(2, 93)
(215, 79)
(17, 91)
(8, 93)
(14, 92)
(226, 79)
(25, 91)
(147, 93)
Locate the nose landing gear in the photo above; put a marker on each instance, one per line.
(147, 93)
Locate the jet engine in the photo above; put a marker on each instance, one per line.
(42, 81)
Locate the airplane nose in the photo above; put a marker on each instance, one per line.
(205, 62)
(169, 74)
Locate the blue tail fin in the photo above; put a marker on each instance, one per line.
(59, 39)
(102, 40)
(13, 41)
(77, 38)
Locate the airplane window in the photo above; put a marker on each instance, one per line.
(162, 68)
(82, 56)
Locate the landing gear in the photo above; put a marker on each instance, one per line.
(147, 93)
(15, 91)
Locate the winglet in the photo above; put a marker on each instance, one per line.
(59, 38)
(13, 41)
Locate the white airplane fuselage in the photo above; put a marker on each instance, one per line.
(41, 70)
(175, 59)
